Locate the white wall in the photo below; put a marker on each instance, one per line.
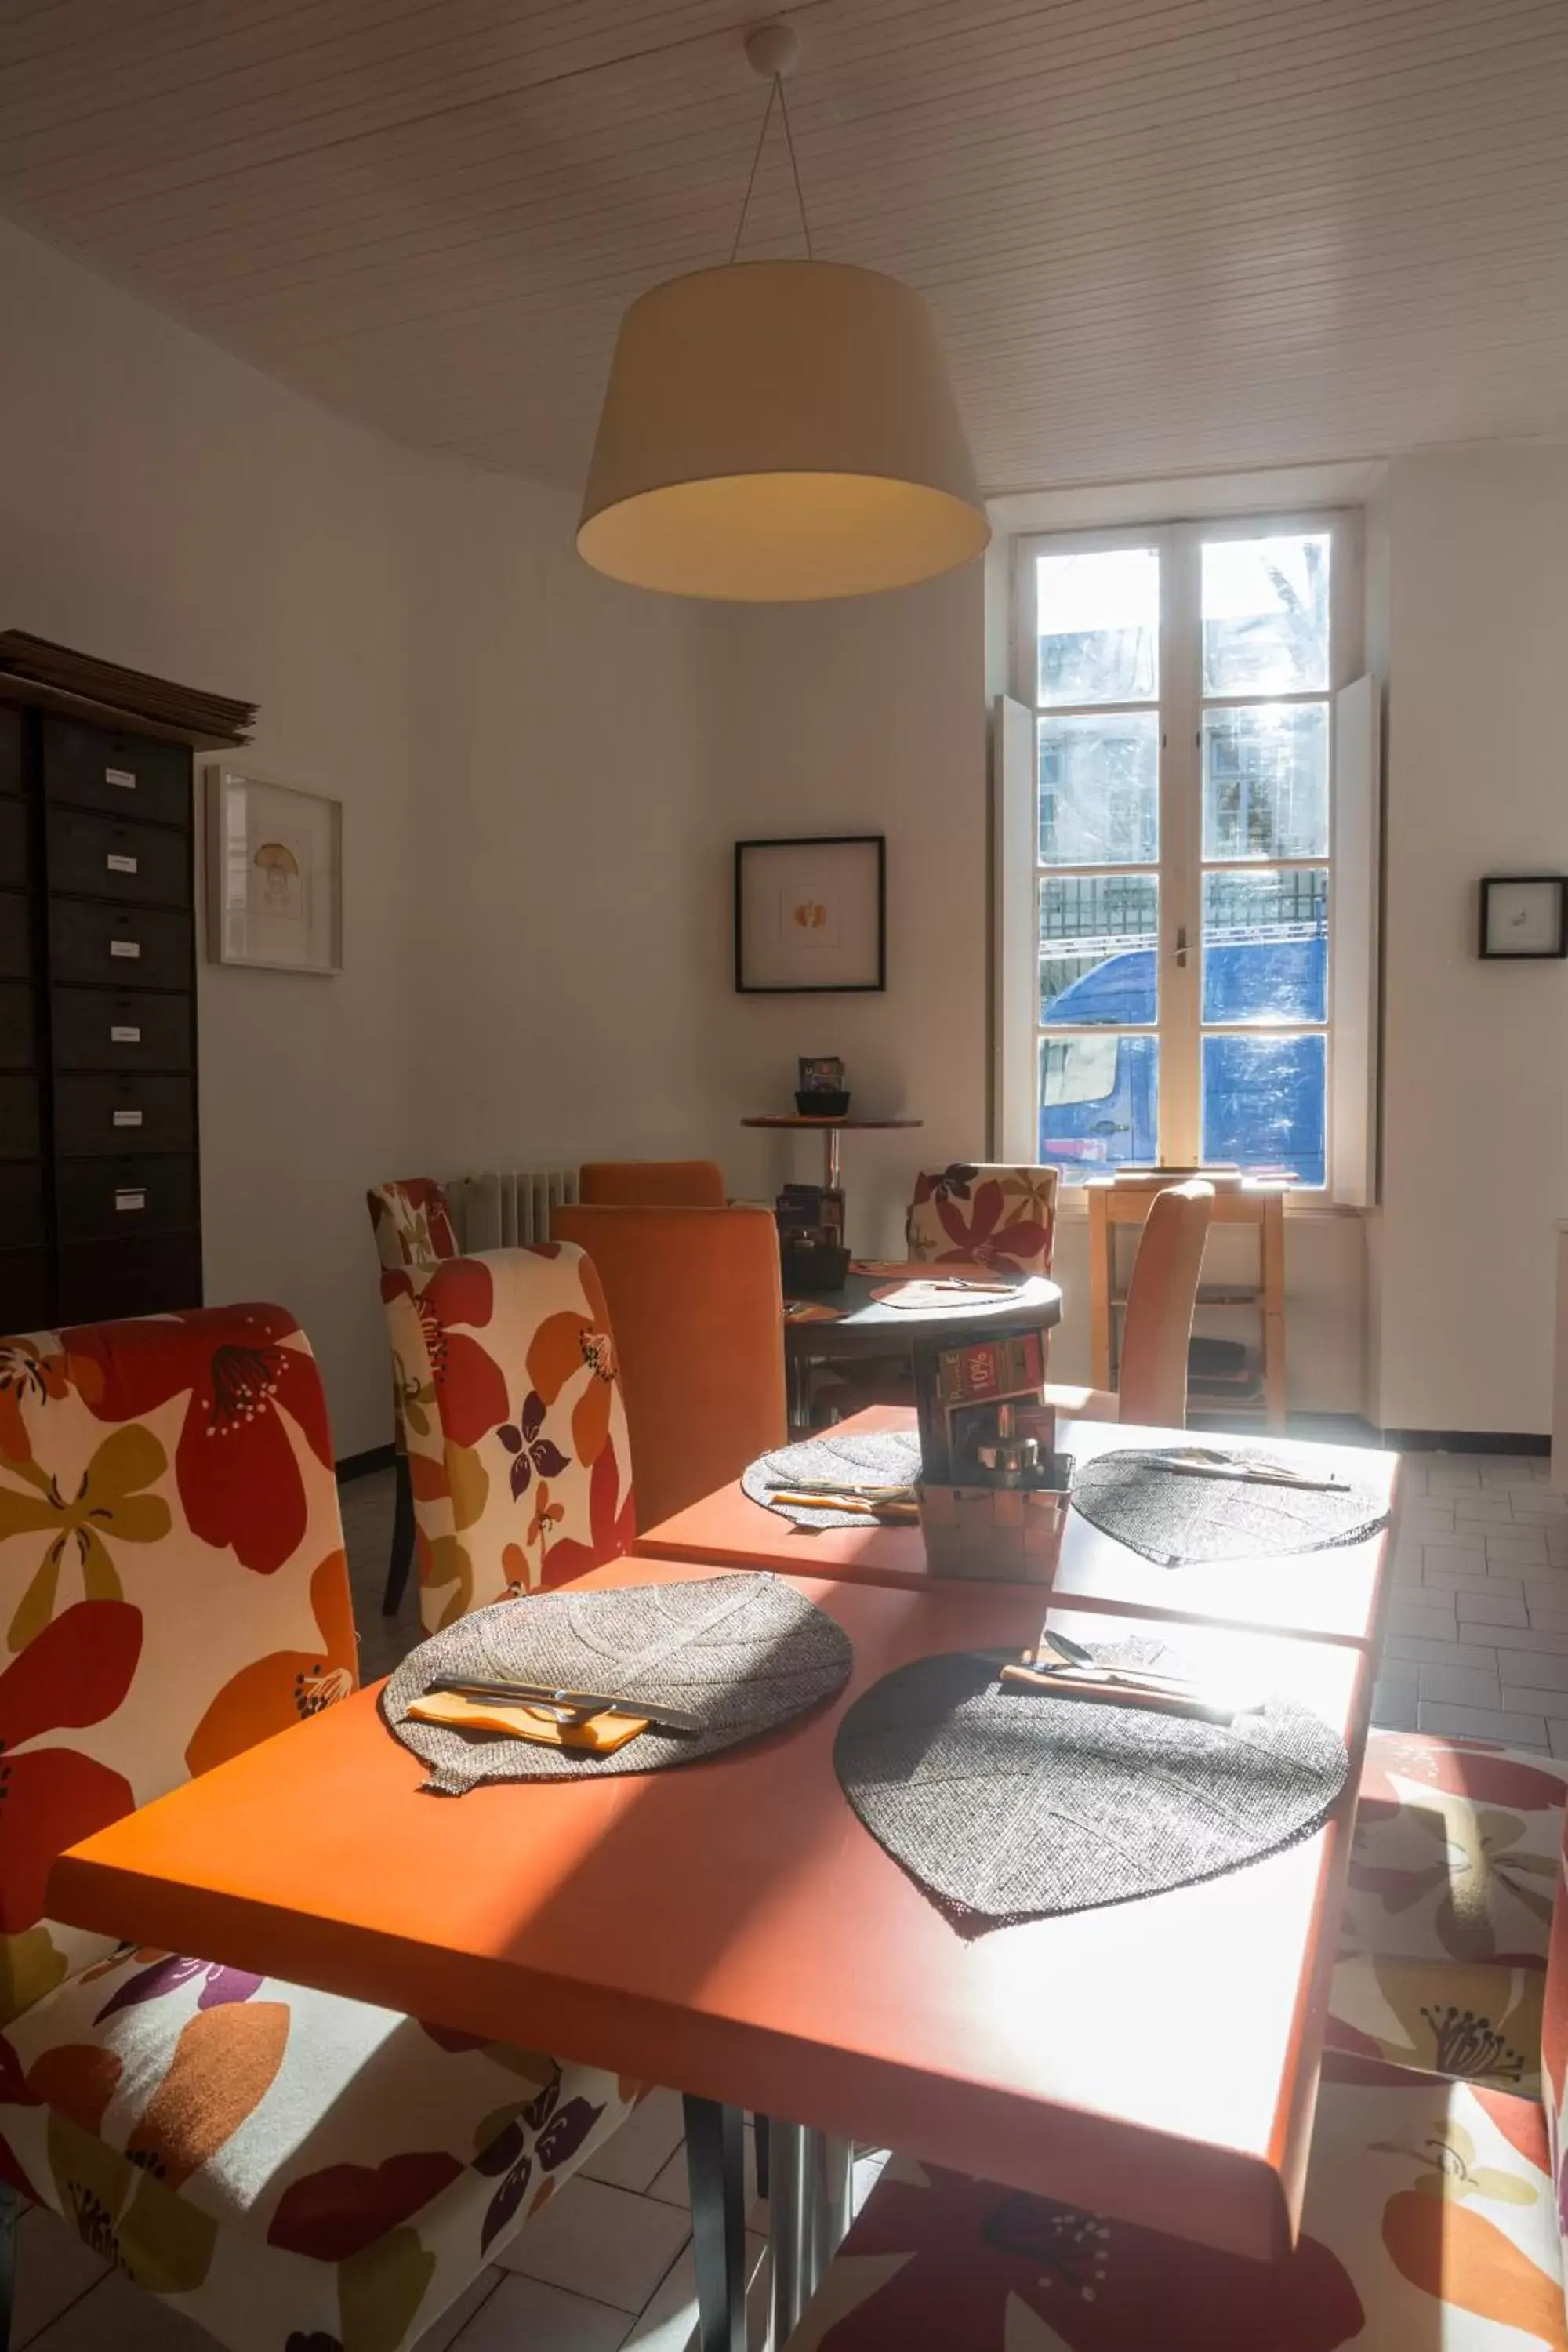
(864, 717)
(166, 506)
(1475, 1054)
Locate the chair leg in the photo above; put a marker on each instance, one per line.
(402, 1559)
(716, 2177)
(9, 2203)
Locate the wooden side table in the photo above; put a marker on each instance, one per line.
(1237, 1202)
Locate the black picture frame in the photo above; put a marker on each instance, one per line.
(1557, 951)
(876, 847)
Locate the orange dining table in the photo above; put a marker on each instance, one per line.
(730, 1928)
(1338, 1594)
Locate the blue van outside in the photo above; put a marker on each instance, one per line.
(1263, 1097)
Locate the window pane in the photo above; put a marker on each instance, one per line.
(1266, 615)
(1264, 1104)
(1099, 623)
(1100, 790)
(1098, 939)
(1100, 1103)
(1265, 944)
(1266, 781)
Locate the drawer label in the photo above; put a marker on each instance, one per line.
(121, 1033)
(132, 948)
(123, 777)
(118, 865)
(126, 1199)
(127, 1118)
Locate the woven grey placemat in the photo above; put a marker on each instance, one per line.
(1004, 1808)
(885, 1455)
(1176, 1521)
(744, 1652)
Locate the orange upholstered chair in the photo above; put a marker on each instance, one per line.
(411, 1218)
(696, 1307)
(651, 1184)
(1151, 1381)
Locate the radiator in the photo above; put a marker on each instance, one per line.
(499, 1208)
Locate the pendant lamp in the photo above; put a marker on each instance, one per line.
(774, 431)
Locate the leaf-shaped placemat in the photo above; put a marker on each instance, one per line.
(890, 1456)
(744, 1652)
(1006, 1807)
(1176, 1520)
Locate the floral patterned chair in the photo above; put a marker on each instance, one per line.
(1444, 1936)
(295, 2172)
(1431, 2216)
(510, 1396)
(411, 1218)
(992, 1217)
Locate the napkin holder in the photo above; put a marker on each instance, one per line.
(1009, 1535)
(993, 1488)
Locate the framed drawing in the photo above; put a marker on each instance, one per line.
(1524, 915)
(811, 915)
(275, 891)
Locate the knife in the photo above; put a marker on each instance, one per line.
(525, 1694)
(1164, 1694)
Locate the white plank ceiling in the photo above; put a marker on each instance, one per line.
(1159, 234)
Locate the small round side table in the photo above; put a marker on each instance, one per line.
(830, 1130)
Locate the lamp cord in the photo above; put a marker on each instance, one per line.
(775, 90)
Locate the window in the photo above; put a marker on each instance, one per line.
(1179, 689)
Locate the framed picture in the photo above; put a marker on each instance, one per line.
(1524, 915)
(275, 891)
(811, 915)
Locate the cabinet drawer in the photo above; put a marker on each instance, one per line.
(10, 747)
(94, 856)
(13, 845)
(92, 943)
(105, 1029)
(100, 1281)
(15, 1028)
(127, 1117)
(133, 775)
(24, 1291)
(16, 936)
(123, 1198)
(19, 1126)
(21, 1203)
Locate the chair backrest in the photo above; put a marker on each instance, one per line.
(1554, 2011)
(412, 1220)
(651, 1183)
(695, 1300)
(172, 1586)
(994, 1215)
(1151, 1380)
(510, 1403)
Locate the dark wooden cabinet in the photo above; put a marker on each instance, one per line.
(100, 1184)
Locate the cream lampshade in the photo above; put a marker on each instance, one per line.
(778, 430)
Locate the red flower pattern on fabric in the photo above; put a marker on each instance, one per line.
(235, 1465)
(469, 1384)
(76, 1672)
(1099, 2286)
(612, 1526)
(981, 1222)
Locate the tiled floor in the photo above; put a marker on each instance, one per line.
(1478, 1642)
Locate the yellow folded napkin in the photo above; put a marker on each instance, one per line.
(601, 1735)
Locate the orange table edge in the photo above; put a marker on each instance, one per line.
(731, 1929)
(728, 1529)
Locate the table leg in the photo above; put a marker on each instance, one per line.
(715, 2176)
(797, 1372)
(838, 2196)
(832, 1145)
(789, 2207)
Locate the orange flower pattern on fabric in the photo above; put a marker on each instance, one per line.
(1003, 1217)
(287, 1686)
(411, 1220)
